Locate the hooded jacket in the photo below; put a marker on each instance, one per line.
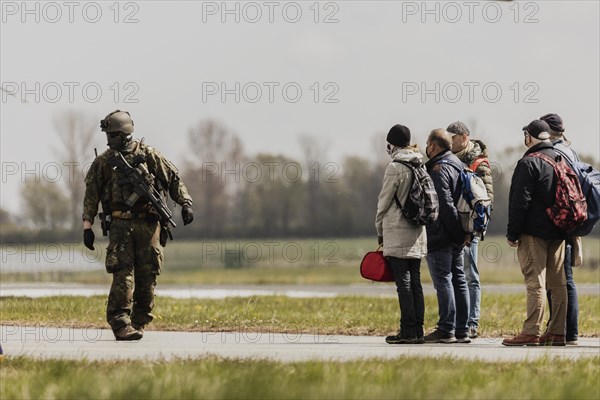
(401, 238)
(532, 191)
(447, 230)
(477, 149)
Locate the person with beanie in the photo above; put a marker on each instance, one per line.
(473, 153)
(562, 146)
(404, 244)
(540, 244)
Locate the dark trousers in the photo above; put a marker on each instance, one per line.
(572, 329)
(407, 274)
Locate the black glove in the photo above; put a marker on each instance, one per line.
(380, 240)
(187, 214)
(88, 238)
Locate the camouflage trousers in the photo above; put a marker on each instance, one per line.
(134, 257)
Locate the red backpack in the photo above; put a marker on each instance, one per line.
(570, 208)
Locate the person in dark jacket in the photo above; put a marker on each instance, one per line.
(562, 146)
(540, 244)
(473, 153)
(445, 243)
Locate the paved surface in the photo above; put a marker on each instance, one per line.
(222, 291)
(99, 344)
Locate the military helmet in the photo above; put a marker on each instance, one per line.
(117, 121)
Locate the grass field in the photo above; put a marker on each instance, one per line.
(215, 378)
(307, 261)
(501, 314)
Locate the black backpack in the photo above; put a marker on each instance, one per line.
(421, 206)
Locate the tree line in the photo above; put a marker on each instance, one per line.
(238, 195)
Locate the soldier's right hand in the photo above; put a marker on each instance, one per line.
(88, 238)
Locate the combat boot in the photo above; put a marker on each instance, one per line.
(128, 333)
(139, 328)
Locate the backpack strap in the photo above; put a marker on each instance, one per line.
(412, 168)
(544, 157)
(477, 162)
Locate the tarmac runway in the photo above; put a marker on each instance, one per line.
(99, 344)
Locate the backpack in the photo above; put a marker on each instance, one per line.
(589, 179)
(421, 205)
(569, 210)
(474, 205)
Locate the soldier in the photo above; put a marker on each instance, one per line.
(137, 235)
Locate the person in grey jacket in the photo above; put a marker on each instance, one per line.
(404, 244)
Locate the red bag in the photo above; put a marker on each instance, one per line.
(375, 267)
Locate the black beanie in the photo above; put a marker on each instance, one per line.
(554, 121)
(399, 136)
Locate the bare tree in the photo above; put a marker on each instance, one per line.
(75, 131)
(216, 150)
(44, 204)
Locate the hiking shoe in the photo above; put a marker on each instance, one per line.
(128, 333)
(473, 332)
(571, 342)
(398, 339)
(438, 336)
(463, 339)
(548, 339)
(522, 340)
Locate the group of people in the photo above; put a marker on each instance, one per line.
(544, 251)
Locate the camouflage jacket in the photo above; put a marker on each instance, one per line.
(102, 182)
(477, 149)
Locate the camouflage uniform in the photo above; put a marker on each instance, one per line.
(134, 255)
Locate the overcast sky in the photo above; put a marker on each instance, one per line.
(370, 64)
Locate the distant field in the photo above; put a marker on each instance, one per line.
(217, 378)
(501, 314)
(306, 261)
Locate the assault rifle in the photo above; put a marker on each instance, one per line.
(142, 181)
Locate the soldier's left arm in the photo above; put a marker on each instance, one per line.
(168, 176)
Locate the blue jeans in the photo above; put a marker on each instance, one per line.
(407, 274)
(572, 328)
(447, 272)
(472, 274)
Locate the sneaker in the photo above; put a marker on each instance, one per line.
(463, 339)
(572, 342)
(473, 332)
(438, 336)
(548, 339)
(522, 340)
(398, 339)
(127, 333)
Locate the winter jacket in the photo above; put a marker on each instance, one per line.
(532, 191)
(444, 170)
(572, 156)
(477, 149)
(401, 238)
